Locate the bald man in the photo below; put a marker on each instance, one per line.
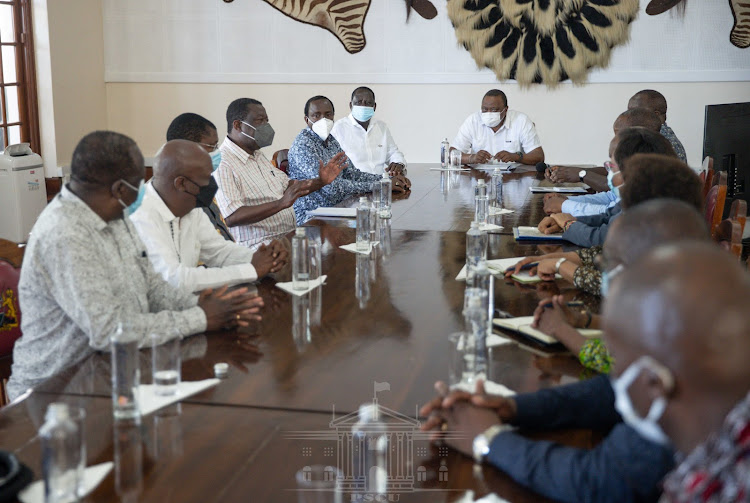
(677, 325)
(657, 104)
(178, 234)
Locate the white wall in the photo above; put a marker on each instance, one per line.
(575, 123)
(70, 76)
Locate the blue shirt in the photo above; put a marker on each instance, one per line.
(304, 156)
(623, 468)
(589, 204)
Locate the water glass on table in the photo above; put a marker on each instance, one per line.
(455, 159)
(166, 364)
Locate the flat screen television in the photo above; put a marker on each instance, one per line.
(726, 138)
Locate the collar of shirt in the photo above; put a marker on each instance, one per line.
(356, 124)
(228, 146)
(85, 213)
(506, 123)
(154, 200)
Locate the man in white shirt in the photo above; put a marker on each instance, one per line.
(497, 133)
(178, 234)
(366, 141)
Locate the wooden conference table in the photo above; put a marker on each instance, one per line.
(382, 318)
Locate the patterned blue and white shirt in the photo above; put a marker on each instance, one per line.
(304, 155)
(667, 133)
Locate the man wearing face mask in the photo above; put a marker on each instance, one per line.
(178, 235)
(85, 270)
(313, 146)
(496, 133)
(368, 142)
(198, 129)
(682, 374)
(255, 198)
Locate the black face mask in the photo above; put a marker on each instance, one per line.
(206, 194)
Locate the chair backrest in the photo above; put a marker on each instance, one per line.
(715, 200)
(280, 159)
(738, 212)
(12, 252)
(729, 235)
(707, 175)
(10, 309)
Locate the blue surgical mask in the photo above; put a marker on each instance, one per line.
(362, 114)
(610, 182)
(607, 277)
(141, 190)
(215, 158)
(647, 427)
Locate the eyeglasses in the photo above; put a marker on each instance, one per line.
(210, 147)
(608, 165)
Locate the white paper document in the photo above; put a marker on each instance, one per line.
(522, 325)
(149, 401)
(496, 266)
(352, 247)
(490, 227)
(449, 169)
(334, 212)
(92, 477)
(499, 211)
(312, 285)
(562, 190)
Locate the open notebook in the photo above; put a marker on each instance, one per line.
(534, 234)
(522, 325)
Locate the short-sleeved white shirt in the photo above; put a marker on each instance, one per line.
(517, 134)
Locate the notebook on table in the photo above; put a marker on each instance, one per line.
(522, 326)
(497, 267)
(522, 233)
(560, 190)
(334, 212)
(505, 167)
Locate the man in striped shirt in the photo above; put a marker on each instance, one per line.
(255, 198)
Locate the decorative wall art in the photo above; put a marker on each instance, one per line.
(740, 34)
(541, 41)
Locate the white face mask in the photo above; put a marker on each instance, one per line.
(647, 427)
(322, 127)
(492, 119)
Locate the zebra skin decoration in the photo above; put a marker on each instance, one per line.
(345, 19)
(740, 34)
(542, 41)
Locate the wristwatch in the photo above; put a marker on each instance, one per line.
(520, 155)
(558, 264)
(581, 174)
(481, 446)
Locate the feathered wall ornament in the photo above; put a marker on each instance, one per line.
(344, 18)
(542, 41)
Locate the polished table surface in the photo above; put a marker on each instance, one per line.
(383, 317)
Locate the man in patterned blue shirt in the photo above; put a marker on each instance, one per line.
(657, 103)
(314, 146)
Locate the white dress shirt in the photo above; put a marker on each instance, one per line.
(177, 245)
(370, 151)
(517, 134)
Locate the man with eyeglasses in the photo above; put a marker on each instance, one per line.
(198, 129)
(497, 134)
(178, 235)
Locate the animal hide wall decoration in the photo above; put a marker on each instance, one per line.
(542, 41)
(740, 34)
(344, 18)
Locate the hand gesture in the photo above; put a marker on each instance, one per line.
(295, 190)
(563, 218)
(229, 309)
(400, 183)
(553, 204)
(562, 174)
(517, 268)
(505, 156)
(269, 258)
(330, 170)
(549, 226)
(546, 269)
(480, 157)
(573, 317)
(395, 168)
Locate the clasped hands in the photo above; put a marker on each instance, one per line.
(483, 156)
(555, 223)
(457, 416)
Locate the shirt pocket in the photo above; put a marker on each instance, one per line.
(512, 146)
